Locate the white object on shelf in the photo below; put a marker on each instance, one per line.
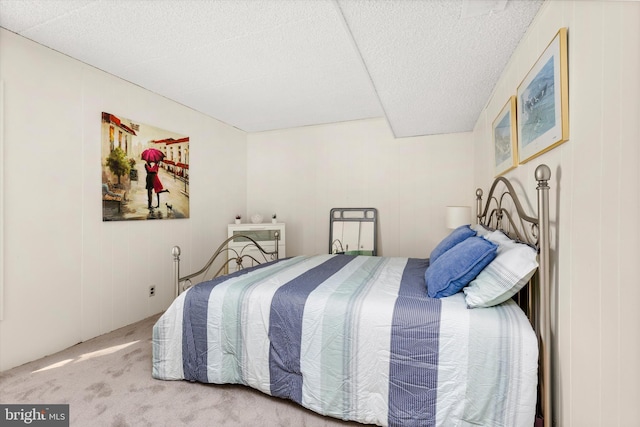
(264, 234)
(256, 219)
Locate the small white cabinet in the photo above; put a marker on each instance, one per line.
(263, 233)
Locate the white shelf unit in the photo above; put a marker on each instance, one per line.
(263, 233)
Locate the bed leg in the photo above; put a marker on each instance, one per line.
(175, 251)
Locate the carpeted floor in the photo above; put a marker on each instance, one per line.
(107, 382)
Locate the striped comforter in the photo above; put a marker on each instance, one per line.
(357, 338)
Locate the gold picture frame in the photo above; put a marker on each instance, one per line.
(505, 138)
(543, 102)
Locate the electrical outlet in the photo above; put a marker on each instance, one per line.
(152, 291)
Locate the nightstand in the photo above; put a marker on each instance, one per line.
(263, 233)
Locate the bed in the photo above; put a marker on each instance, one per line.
(391, 341)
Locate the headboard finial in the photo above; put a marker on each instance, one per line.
(479, 193)
(543, 173)
(175, 251)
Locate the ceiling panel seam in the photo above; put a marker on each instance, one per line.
(343, 19)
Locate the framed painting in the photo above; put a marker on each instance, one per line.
(504, 138)
(145, 171)
(543, 102)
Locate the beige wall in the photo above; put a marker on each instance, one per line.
(67, 275)
(302, 173)
(595, 197)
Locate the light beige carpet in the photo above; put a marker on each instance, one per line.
(107, 382)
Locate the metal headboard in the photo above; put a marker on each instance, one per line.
(503, 211)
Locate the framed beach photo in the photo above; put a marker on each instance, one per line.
(505, 137)
(543, 102)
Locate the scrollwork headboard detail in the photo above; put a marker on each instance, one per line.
(503, 211)
(497, 213)
(183, 283)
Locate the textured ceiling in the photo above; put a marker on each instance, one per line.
(428, 66)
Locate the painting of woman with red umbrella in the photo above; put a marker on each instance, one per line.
(153, 157)
(129, 150)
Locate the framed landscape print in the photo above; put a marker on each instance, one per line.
(505, 137)
(543, 102)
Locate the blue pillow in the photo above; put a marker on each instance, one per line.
(458, 235)
(458, 266)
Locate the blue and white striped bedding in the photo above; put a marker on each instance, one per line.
(357, 338)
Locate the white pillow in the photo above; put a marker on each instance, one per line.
(481, 230)
(509, 272)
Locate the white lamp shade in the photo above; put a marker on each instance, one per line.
(457, 216)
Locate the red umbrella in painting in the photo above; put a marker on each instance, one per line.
(152, 155)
